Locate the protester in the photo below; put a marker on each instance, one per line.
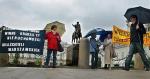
(136, 42)
(109, 52)
(53, 40)
(93, 51)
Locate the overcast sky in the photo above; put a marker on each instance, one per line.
(35, 14)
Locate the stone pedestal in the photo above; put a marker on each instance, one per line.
(69, 51)
(75, 54)
(138, 62)
(4, 59)
(84, 53)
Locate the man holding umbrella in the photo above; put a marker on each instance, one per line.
(136, 42)
(137, 16)
(93, 51)
(94, 45)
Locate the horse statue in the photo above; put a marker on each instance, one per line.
(77, 33)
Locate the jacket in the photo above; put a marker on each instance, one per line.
(136, 35)
(53, 40)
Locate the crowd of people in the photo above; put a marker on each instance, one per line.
(136, 45)
(106, 46)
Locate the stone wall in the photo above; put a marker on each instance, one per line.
(4, 59)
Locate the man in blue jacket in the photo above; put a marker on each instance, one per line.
(93, 51)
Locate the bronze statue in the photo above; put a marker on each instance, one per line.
(77, 33)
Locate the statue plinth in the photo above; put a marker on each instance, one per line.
(84, 53)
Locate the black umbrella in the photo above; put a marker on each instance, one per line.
(142, 13)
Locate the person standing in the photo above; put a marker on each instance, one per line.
(109, 51)
(136, 42)
(53, 39)
(93, 51)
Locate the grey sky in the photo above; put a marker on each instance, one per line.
(35, 14)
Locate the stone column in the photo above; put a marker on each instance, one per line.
(84, 53)
(138, 64)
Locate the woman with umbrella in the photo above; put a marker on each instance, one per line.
(54, 39)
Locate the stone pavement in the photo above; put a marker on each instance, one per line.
(66, 73)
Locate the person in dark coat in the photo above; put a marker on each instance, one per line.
(53, 39)
(136, 42)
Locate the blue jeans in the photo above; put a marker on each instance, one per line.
(49, 52)
(94, 59)
(134, 48)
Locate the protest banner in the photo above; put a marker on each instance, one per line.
(18, 41)
(121, 36)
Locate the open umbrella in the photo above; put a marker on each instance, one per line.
(60, 27)
(142, 13)
(104, 35)
(98, 31)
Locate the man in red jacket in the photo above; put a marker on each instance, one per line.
(53, 39)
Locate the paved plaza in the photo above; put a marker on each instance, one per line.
(69, 73)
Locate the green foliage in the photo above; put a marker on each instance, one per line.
(16, 59)
(38, 61)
